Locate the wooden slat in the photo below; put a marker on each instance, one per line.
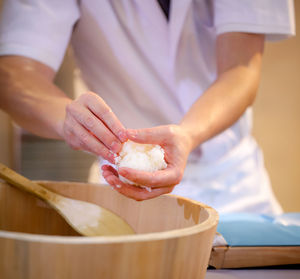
(238, 257)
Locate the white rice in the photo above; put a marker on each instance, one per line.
(144, 157)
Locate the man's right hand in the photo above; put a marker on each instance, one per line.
(29, 96)
(91, 125)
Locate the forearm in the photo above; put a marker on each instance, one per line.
(221, 105)
(30, 98)
(239, 57)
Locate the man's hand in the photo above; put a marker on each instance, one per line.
(92, 126)
(177, 146)
(35, 103)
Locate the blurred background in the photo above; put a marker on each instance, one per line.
(276, 127)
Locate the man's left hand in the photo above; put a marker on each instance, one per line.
(177, 146)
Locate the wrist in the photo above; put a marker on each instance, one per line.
(187, 137)
(59, 123)
(190, 135)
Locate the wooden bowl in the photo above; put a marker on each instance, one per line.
(174, 237)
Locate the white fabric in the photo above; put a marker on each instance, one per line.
(150, 71)
(37, 29)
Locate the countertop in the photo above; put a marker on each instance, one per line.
(278, 273)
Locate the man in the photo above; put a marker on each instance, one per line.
(185, 82)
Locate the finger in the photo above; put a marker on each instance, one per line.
(70, 138)
(98, 106)
(160, 178)
(139, 195)
(156, 135)
(88, 120)
(110, 168)
(88, 142)
(74, 144)
(134, 192)
(148, 135)
(112, 179)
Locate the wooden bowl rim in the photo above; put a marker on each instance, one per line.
(211, 221)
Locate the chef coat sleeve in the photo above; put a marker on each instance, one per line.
(38, 29)
(274, 18)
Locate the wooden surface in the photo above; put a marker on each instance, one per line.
(252, 273)
(174, 237)
(239, 257)
(6, 139)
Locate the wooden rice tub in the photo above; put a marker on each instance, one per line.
(173, 240)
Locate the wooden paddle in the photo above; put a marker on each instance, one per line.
(86, 218)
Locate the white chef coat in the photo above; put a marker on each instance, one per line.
(150, 71)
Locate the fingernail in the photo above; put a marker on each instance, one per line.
(112, 157)
(104, 173)
(118, 186)
(115, 146)
(132, 133)
(122, 136)
(123, 172)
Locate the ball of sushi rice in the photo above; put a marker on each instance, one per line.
(144, 157)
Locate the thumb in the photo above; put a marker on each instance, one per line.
(148, 135)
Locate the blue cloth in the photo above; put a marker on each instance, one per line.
(243, 229)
